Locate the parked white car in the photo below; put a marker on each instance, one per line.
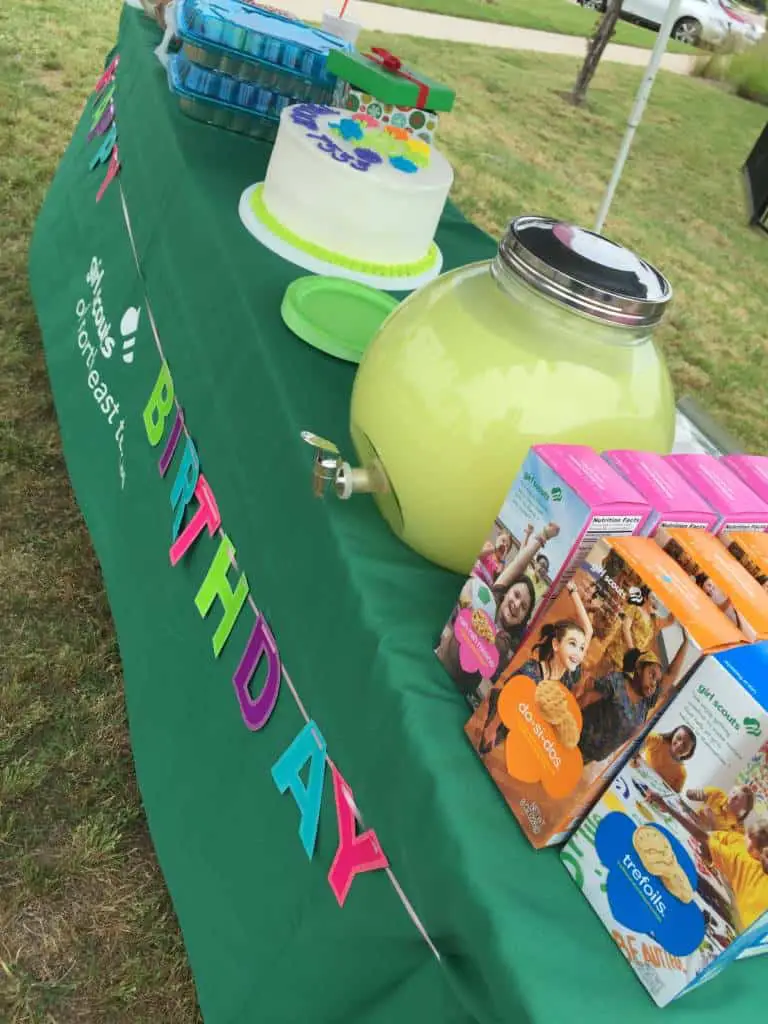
(698, 21)
(743, 26)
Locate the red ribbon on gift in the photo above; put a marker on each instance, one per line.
(389, 62)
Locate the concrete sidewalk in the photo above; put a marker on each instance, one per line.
(399, 21)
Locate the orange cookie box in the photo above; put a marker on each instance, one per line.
(751, 550)
(619, 642)
(722, 578)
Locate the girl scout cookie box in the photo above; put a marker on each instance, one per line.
(752, 470)
(751, 550)
(721, 577)
(563, 499)
(736, 506)
(595, 673)
(672, 500)
(679, 874)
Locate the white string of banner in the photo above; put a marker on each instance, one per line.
(286, 677)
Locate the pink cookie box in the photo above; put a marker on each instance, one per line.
(672, 500)
(563, 500)
(612, 506)
(737, 507)
(751, 470)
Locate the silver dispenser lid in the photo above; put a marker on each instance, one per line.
(584, 271)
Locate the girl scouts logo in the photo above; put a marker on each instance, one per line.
(128, 327)
(129, 322)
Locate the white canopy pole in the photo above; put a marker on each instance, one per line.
(637, 110)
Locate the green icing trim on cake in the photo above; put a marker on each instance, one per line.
(278, 229)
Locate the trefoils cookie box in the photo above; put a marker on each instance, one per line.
(672, 500)
(725, 582)
(598, 668)
(675, 863)
(737, 507)
(563, 499)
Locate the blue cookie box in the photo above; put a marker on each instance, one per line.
(224, 101)
(237, 31)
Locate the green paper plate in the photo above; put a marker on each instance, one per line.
(337, 316)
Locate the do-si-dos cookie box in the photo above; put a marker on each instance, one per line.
(674, 857)
(593, 674)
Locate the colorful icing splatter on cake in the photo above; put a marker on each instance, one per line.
(371, 142)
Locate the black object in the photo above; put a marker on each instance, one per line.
(756, 181)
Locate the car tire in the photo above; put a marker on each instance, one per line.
(687, 30)
(593, 5)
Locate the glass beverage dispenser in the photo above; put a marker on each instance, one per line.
(549, 342)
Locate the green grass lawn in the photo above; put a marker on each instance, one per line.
(87, 933)
(547, 15)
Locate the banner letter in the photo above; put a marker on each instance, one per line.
(101, 105)
(114, 167)
(103, 123)
(310, 746)
(159, 405)
(216, 585)
(170, 446)
(256, 713)
(207, 515)
(356, 854)
(104, 151)
(184, 485)
(109, 73)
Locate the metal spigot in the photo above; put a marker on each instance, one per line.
(327, 463)
(329, 468)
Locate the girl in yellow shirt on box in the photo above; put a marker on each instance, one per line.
(665, 753)
(636, 626)
(742, 860)
(723, 812)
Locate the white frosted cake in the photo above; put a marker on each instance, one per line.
(351, 191)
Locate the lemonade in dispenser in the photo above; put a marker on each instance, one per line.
(549, 342)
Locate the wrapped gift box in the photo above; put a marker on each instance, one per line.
(420, 123)
(382, 86)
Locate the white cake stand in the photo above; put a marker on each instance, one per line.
(302, 259)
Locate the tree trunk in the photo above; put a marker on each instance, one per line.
(597, 44)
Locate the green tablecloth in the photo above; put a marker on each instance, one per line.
(354, 613)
